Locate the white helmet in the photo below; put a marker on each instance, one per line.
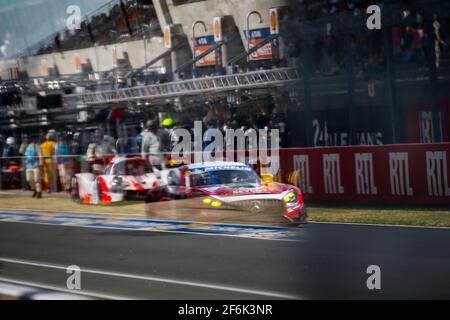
(50, 136)
(10, 141)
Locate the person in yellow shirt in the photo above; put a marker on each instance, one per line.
(49, 169)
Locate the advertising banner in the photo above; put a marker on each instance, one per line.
(202, 44)
(391, 174)
(268, 51)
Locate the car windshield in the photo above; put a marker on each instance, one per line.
(127, 168)
(217, 177)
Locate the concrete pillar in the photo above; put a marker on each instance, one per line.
(173, 64)
(97, 60)
(224, 57)
(144, 41)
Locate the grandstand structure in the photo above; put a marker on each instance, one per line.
(315, 62)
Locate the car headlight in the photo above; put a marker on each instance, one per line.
(212, 202)
(216, 204)
(291, 197)
(207, 201)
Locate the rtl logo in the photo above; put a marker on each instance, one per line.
(301, 167)
(365, 182)
(437, 176)
(332, 174)
(399, 174)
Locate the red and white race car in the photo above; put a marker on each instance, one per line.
(123, 178)
(230, 185)
(218, 185)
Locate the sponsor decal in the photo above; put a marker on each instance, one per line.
(217, 168)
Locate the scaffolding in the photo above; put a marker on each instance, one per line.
(217, 84)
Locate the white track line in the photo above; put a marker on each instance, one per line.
(85, 294)
(158, 279)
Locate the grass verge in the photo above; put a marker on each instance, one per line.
(414, 216)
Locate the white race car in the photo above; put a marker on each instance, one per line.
(123, 178)
(228, 185)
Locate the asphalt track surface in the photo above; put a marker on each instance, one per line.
(322, 261)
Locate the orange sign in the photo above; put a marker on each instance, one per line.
(267, 51)
(274, 26)
(217, 23)
(167, 37)
(77, 62)
(202, 44)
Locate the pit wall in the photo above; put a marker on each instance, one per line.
(416, 174)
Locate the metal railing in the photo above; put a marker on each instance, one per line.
(248, 80)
